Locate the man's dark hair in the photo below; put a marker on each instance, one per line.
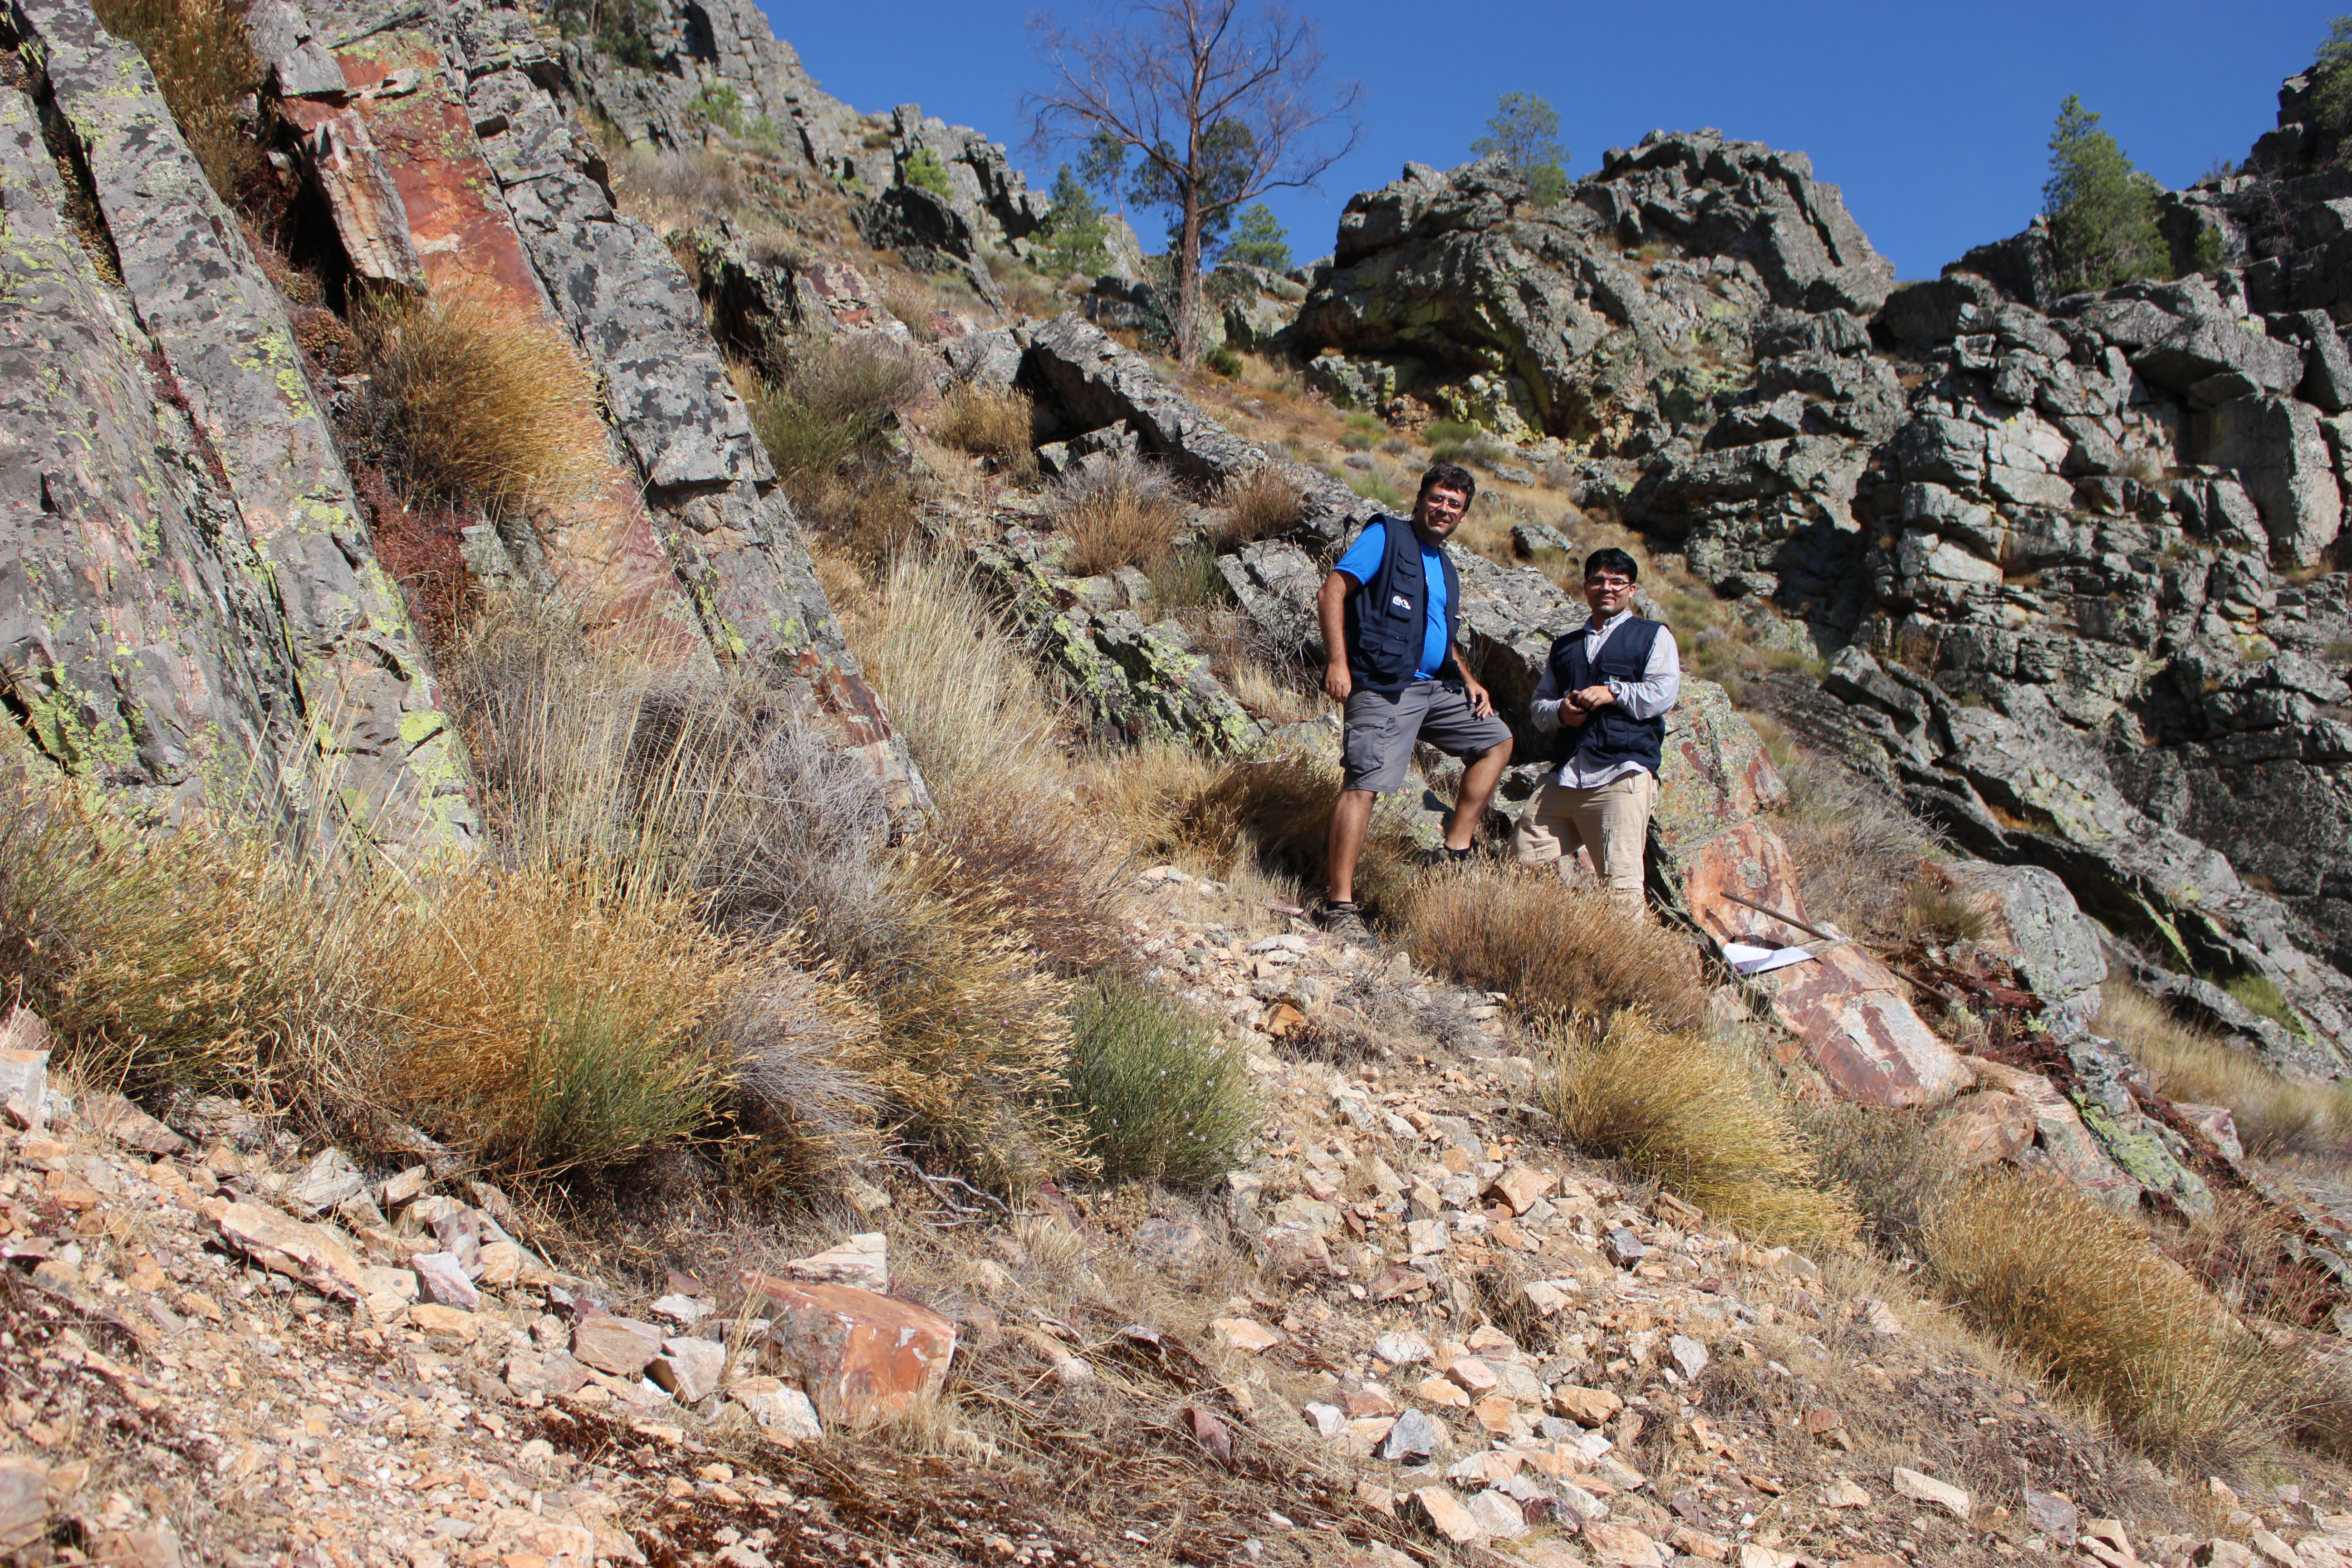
(1452, 477)
(1611, 560)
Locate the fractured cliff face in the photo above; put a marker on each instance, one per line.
(1557, 320)
(717, 72)
(190, 612)
(192, 609)
(2077, 560)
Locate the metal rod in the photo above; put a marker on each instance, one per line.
(1789, 920)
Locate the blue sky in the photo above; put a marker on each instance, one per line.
(1934, 119)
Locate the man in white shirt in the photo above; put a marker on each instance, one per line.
(1606, 688)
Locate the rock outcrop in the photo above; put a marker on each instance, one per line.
(716, 71)
(1457, 290)
(2072, 556)
(190, 610)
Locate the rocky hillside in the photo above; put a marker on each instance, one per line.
(2072, 561)
(669, 646)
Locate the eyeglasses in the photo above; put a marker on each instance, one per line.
(1609, 585)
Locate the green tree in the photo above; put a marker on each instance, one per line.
(1074, 230)
(619, 28)
(1525, 128)
(2102, 214)
(2331, 81)
(1262, 242)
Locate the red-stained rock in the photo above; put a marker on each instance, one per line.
(859, 1356)
(1851, 1013)
(1749, 860)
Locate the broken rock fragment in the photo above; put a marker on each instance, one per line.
(283, 1245)
(622, 1346)
(859, 1355)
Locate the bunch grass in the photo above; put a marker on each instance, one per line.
(1161, 1099)
(1686, 1112)
(479, 402)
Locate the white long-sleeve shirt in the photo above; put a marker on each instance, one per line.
(1661, 683)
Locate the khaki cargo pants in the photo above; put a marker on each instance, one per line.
(1610, 825)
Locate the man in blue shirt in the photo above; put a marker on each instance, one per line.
(1390, 613)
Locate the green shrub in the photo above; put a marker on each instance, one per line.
(1075, 233)
(2102, 213)
(2331, 73)
(924, 168)
(1161, 1098)
(1261, 241)
(1225, 362)
(618, 27)
(1447, 432)
(720, 104)
(1372, 487)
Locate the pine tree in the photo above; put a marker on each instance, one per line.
(2331, 82)
(2102, 214)
(1525, 128)
(1075, 229)
(1262, 242)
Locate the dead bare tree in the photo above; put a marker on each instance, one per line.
(1222, 103)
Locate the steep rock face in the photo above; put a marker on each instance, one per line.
(691, 548)
(1463, 292)
(718, 68)
(2055, 547)
(193, 610)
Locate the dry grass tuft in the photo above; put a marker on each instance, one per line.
(956, 679)
(674, 190)
(1051, 861)
(1566, 955)
(1221, 814)
(996, 425)
(205, 64)
(2275, 1115)
(1888, 1164)
(972, 1037)
(1121, 512)
(1259, 504)
(547, 1017)
(1162, 1097)
(551, 1020)
(917, 304)
(835, 399)
(477, 402)
(2081, 1295)
(1858, 850)
(1688, 1114)
(707, 793)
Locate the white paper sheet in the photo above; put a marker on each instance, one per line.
(1763, 959)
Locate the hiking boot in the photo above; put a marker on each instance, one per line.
(1346, 921)
(1443, 856)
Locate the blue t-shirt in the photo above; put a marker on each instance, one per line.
(1362, 561)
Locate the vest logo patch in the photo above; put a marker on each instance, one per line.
(1400, 601)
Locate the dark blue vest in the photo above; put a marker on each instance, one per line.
(1388, 616)
(1611, 735)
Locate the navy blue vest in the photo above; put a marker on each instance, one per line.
(1613, 735)
(1388, 616)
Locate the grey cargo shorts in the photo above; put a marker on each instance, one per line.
(1381, 726)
